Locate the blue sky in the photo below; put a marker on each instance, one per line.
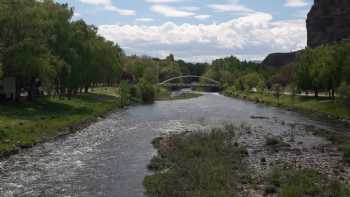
(199, 30)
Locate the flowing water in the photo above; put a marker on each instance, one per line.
(109, 158)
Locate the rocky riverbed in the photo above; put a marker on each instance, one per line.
(109, 158)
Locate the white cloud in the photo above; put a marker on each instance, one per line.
(163, 1)
(144, 19)
(108, 5)
(233, 6)
(296, 3)
(190, 8)
(171, 11)
(76, 14)
(202, 17)
(251, 36)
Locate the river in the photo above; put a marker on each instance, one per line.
(109, 158)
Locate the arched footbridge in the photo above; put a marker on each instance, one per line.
(170, 82)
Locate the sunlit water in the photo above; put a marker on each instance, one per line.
(109, 158)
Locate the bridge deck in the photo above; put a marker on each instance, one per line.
(188, 85)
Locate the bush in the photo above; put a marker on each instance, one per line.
(231, 91)
(162, 93)
(124, 92)
(148, 92)
(344, 92)
(136, 94)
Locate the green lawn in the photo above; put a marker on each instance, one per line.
(321, 105)
(27, 123)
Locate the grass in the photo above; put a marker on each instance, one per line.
(321, 105)
(305, 182)
(111, 91)
(196, 164)
(26, 123)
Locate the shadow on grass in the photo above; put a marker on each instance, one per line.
(50, 108)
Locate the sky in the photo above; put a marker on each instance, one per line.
(198, 30)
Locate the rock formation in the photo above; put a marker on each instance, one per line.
(328, 22)
(277, 60)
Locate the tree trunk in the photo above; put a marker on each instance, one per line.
(316, 92)
(333, 93)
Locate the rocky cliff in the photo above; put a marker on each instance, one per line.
(277, 60)
(328, 22)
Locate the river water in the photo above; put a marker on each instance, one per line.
(109, 158)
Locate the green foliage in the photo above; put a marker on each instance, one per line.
(124, 93)
(196, 164)
(346, 149)
(277, 91)
(39, 41)
(148, 92)
(244, 75)
(344, 92)
(323, 68)
(1, 71)
(253, 80)
(298, 183)
(136, 94)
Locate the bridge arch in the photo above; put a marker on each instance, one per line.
(189, 76)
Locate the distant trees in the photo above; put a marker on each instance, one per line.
(40, 46)
(229, 71)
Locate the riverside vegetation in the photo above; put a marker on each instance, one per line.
(56, 62)
(213, 163)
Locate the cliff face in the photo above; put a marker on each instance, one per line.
(277, 60)
(328, 22)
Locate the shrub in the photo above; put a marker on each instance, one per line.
(277, 90)
(124, 92)
(147, 91)
(344, 92)
(136, 94)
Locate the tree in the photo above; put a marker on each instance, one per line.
(252, 80)
(344, 92)
(303, 70)
(41, 46)
(124, 93)
(147, 91)
(276, 88)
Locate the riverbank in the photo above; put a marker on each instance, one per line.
(218, 162)
(322, 106)
(24, 124)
